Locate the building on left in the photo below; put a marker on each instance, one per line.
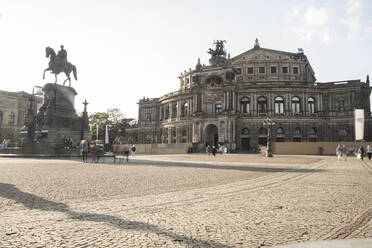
(13, 107)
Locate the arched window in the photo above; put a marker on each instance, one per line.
(1, 117)
(218, 108)
(297, 135)
(185, 109)
(295, 105)
(244, 105)
(245, 131)
(313, 131)
(279, 130)
(279, 105)
(184, 136)
(262, 104)
(262, 131)
(174, 110)
(312, 134)
(297, 131)
(311, 105)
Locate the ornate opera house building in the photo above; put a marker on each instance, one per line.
(227, 102)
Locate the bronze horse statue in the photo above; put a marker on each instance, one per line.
(58, 65)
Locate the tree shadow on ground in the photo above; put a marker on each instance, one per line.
(144, 162)
(30, 201)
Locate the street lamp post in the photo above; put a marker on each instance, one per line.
(269, 123)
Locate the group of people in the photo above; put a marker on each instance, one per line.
(341, 152)
(92, 148)
(95, 149)
(214, 149)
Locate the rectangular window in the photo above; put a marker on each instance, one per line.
(218, 108)
(250, 70)
(295, 70)
(273, 69)
(238, 71)
(261, 69)
(285, 69)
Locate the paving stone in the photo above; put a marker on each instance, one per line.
(184, 201)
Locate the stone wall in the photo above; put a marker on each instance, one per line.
(159, 148)
(312, 148)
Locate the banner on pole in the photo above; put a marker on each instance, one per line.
(359, 124)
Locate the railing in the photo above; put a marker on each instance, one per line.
(175, 93)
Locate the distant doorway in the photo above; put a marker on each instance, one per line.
(245, 144)
(211, 135)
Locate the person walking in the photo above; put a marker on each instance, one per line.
(338, 152)
(214, 150)
(344, 152)
(361, 152)
(84, 150)
(209, 149)
(93, 152)
(3, 145)
(126, 150)
(369, 152)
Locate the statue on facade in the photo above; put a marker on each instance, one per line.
(219, 50)
(218, 54)
(58, 63)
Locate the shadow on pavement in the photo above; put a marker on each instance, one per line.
(219, 167)
(31, 201)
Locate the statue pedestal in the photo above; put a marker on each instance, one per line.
(57, 123)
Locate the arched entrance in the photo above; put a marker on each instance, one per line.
(211, 135)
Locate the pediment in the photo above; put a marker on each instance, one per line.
(262, 54)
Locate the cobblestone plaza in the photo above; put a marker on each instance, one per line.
(233, 200)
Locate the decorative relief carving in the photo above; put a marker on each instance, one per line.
(209, 98)
(213, 82)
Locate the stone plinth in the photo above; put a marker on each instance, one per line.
(55, 121)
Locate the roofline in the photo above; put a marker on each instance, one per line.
(266, 49)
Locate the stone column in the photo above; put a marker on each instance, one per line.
(224, 101)
(233, 131)
(233, 101)
(169, 135)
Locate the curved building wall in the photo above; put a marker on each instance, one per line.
(228, 104)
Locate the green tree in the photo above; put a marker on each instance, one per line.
(116, 121)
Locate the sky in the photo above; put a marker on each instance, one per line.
(125, 50)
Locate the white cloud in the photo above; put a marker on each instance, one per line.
(310, 23)
(356, 30)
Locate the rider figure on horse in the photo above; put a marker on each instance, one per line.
(58, 63)
(62, 55)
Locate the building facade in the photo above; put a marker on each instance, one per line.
(13, 107)
(227, 102)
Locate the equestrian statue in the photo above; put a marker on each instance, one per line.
(58, 63)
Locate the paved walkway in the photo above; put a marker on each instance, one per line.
(184, 201)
